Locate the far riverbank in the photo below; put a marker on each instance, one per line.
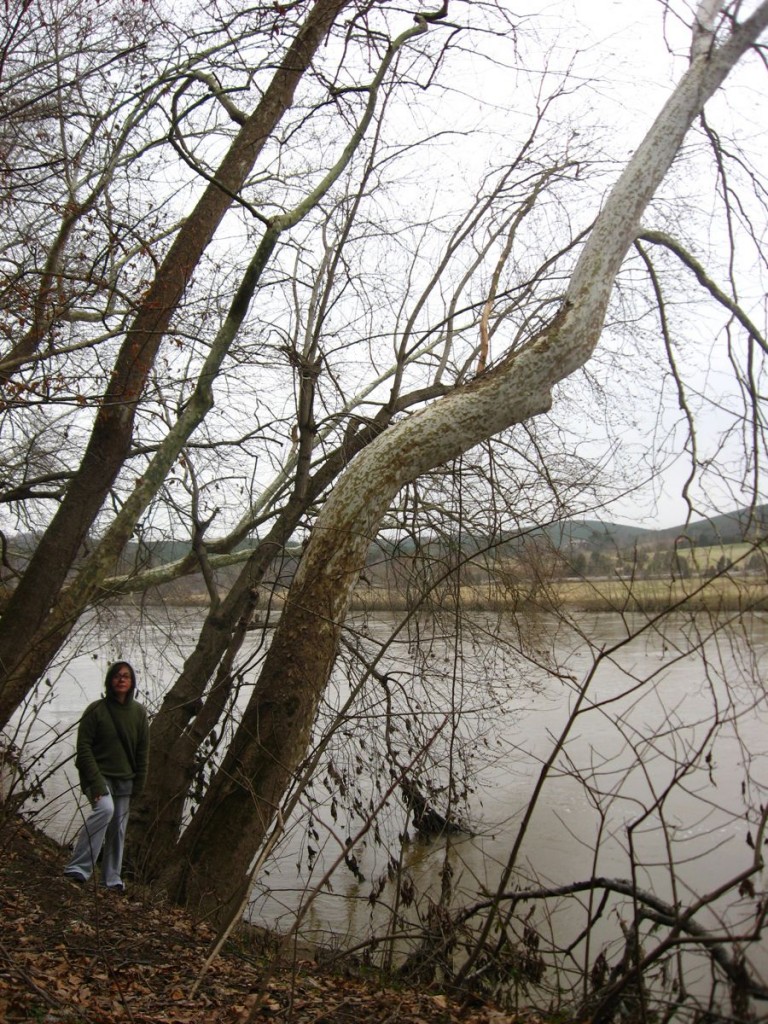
(607, 594)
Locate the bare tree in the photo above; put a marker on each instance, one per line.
(273, 735)
(108, 446)
(332, 356)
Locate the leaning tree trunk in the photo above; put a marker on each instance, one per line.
(188, 713)
(27, 641)
(211, 867)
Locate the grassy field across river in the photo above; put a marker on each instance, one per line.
(725, 594)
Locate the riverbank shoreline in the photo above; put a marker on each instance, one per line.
(72, 954)
(609, 595)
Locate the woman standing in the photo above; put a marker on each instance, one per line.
(112, 761)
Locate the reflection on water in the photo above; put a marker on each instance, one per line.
(659, 777)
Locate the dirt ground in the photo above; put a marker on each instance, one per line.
(74, 954)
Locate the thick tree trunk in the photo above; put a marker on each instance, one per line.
(23, 625)
(213, 857)
(187, 715)
(184, 718)
(270, 742)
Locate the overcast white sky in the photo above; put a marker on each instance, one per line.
(631, 55)
(627, 54)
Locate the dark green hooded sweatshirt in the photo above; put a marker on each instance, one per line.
(112, 741)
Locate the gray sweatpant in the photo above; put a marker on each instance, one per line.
(105, 825)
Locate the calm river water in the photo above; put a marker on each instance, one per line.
(652, 715)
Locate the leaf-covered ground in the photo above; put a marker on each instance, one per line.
(75, 955)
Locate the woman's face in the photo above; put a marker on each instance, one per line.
(122, 683)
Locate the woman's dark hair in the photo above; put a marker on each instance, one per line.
(112, 672)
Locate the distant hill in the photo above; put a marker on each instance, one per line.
(730, 528)
(583, 537)
(594, 532)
